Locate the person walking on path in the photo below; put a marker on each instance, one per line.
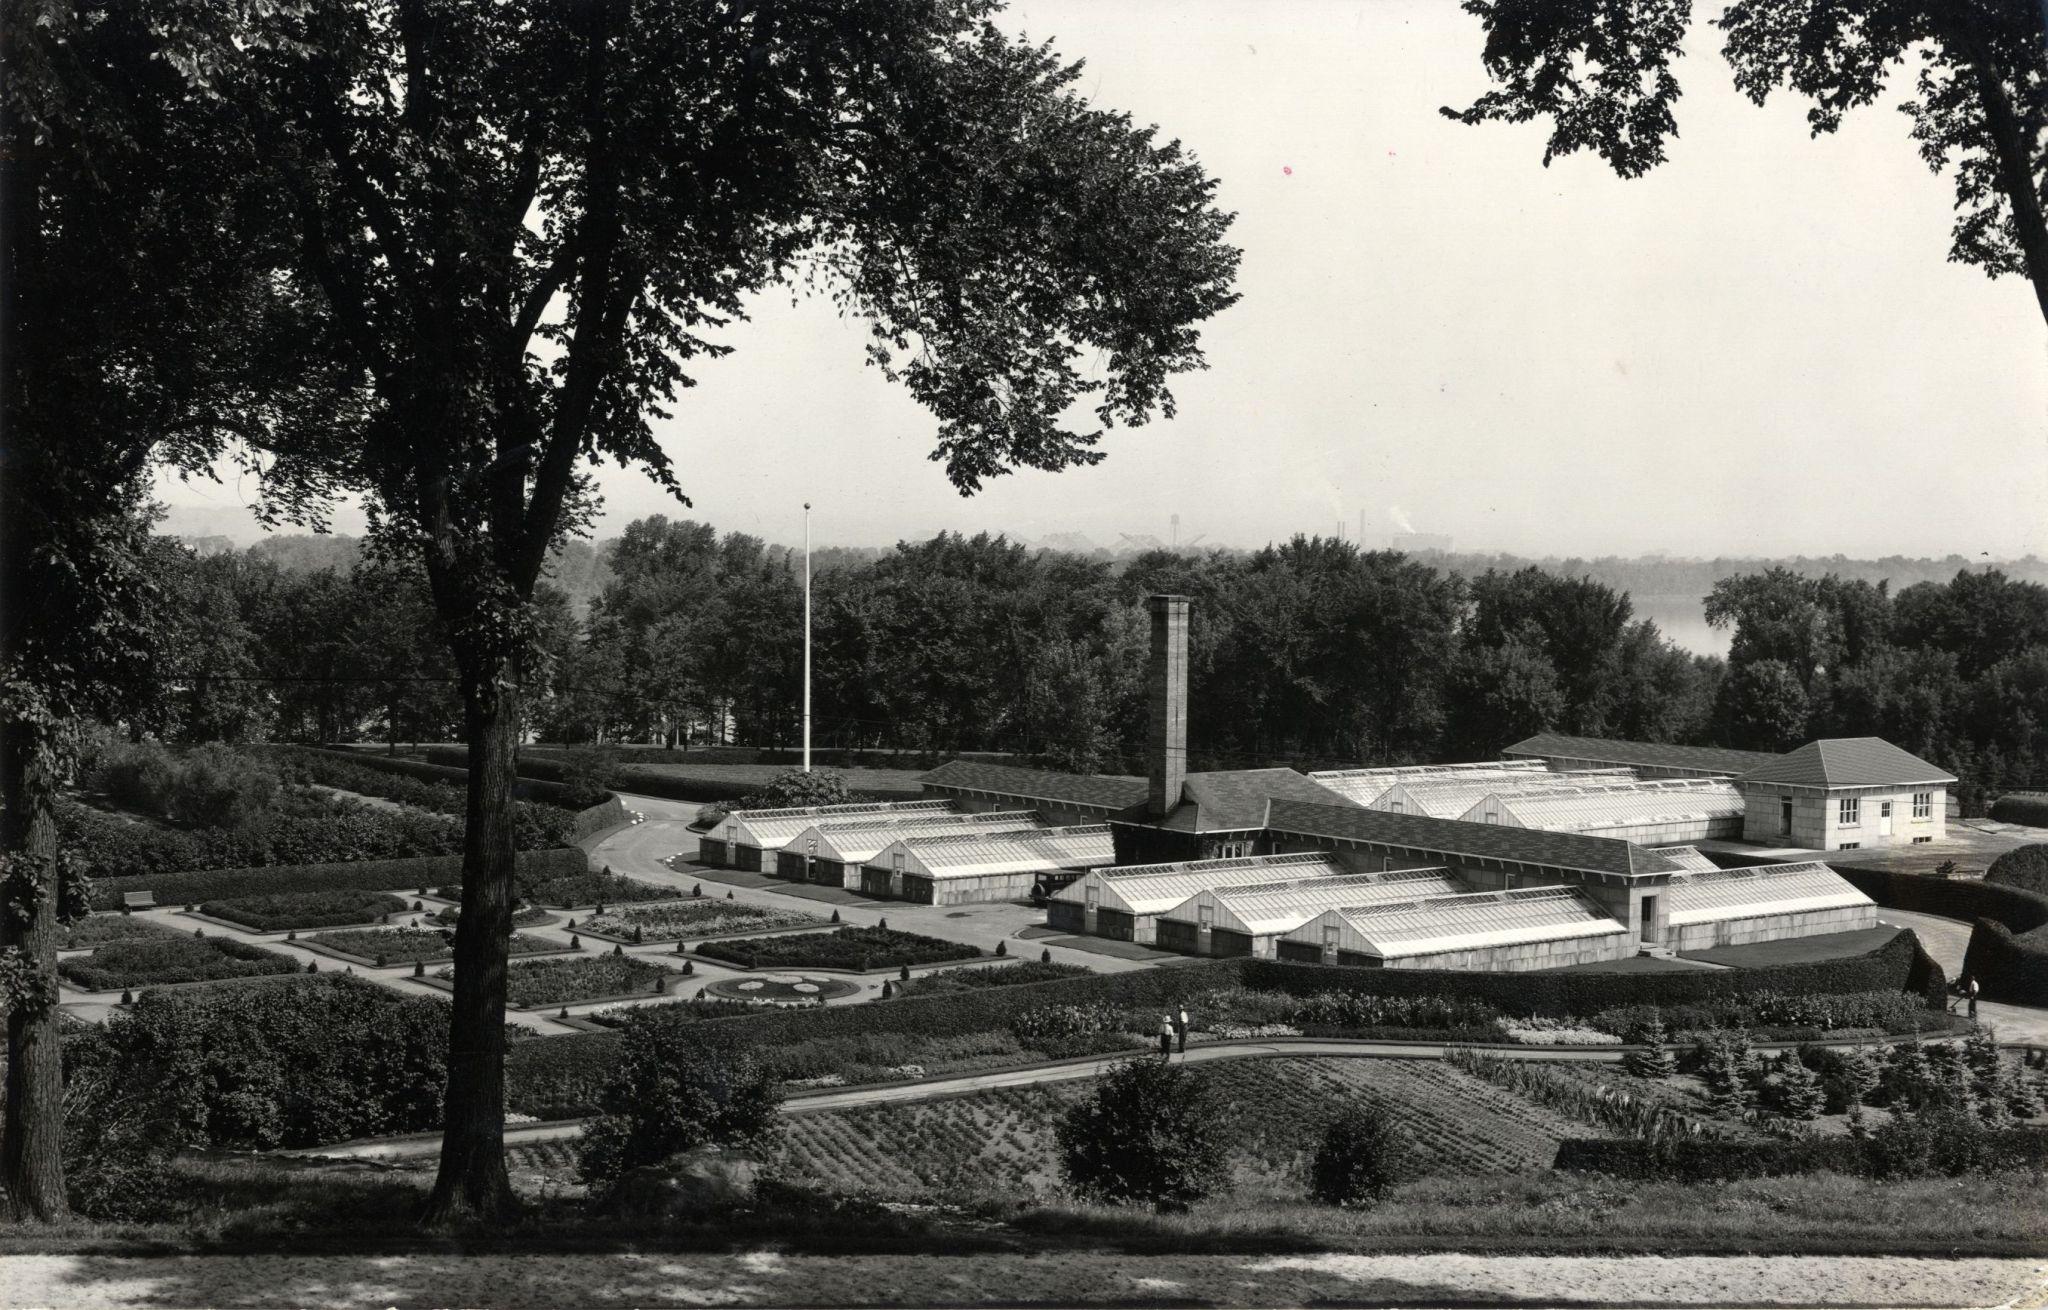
(1970, 990)
(1180, 1029)
(1165, 1036)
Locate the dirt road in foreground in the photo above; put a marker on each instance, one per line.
(767, 1279)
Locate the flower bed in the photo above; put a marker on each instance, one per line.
(589, 978)
(141, 963)
(406, 945)
(447, 915)
(843, 948)
(989, 975)
(694, 918)
(304, 909)
(797, 991)
(591, 889)
(99, 929)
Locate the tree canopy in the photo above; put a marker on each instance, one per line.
(1602, 74)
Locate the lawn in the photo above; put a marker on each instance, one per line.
(1797, 950)
(152, 960)
(406, 945)
(99, 929)
(587, 978)
(702, 917)
(297, 910)
(842, 948)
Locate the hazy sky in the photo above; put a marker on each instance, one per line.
(1758, 349)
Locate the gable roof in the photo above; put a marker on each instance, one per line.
(1471, 921)
(1849, 762)
(1647, 754)
(1364, 786)
(857, 841)
(1434, 838)
(1451, 797)
(1276, 907)
(772, 829)
(1092, 789)
(1588, 809)
(963, 855)
(1234, 800)
(1155, 888)
(1763, 889)
(1688, 858)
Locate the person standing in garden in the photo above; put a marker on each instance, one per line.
(1180, 1028)
(1165, 1036)
(1970, 990)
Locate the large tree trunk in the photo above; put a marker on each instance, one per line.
(472, 1182)
(32, 1135)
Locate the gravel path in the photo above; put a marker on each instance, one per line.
(765, 1279)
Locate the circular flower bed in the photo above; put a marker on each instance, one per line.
(783, 990)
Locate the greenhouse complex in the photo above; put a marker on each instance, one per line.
(1570, 850)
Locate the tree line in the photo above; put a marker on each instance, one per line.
(1309, 653)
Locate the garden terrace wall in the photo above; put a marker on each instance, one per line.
(355, 875)
(560, 1076)
(2008, 952)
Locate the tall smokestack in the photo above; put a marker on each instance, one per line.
(1167, 738)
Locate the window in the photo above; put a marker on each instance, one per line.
(1493, 816)
(1849, 846)
(1785, 817)
(1850, 812)
(1918, 840)
(1923, 804)
(1396, 805)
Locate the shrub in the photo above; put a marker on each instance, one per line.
(211, 786)
(304, 909)
(1359, 1159)
(2024, 867)
(114, 848)
(1794, 1091)
(1064, 1030)
(139, 962)
(293, 1063)
(1341, 1010)
(1908, 1146)
(2029, 809)
(1153, 1133)
(677, 1086)
(1654, 1060)
(842, 948)
(796, 787)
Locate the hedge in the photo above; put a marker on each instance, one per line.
(538, 791)
(112, 847)
(608, 813)
(546, 772)
(2024, 867)
(560, 1076)
(147, 961)
(2027, 808)
(1699, 1160)
(352, 875)
(2008, 952)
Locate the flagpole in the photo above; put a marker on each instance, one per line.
(807, 636)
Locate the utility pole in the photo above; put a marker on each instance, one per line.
(807, 636)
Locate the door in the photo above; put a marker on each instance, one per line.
(1785, 817)
(1884, 818)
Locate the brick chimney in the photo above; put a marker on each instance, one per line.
(1167, 739)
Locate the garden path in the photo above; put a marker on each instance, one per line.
(770, 1278)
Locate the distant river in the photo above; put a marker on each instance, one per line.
(1683, 620)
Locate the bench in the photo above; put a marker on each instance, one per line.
(137, 901)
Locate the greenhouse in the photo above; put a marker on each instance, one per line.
(1729, 907)
(1364, 786)
(831, 854)
(1449, 798)
(986, 866)
(1125, 903)
(1689, 858)
(1657, 813)
(1248, 920)
(740, 839)
(1528, 928)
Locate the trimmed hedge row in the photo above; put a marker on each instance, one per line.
(1701, 1160)
(2008, 952)
(556, 1077)
(2029, 808)
(354, 875)
(544, 771)
(608, 813)
(538, 791)
(1900, 965)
